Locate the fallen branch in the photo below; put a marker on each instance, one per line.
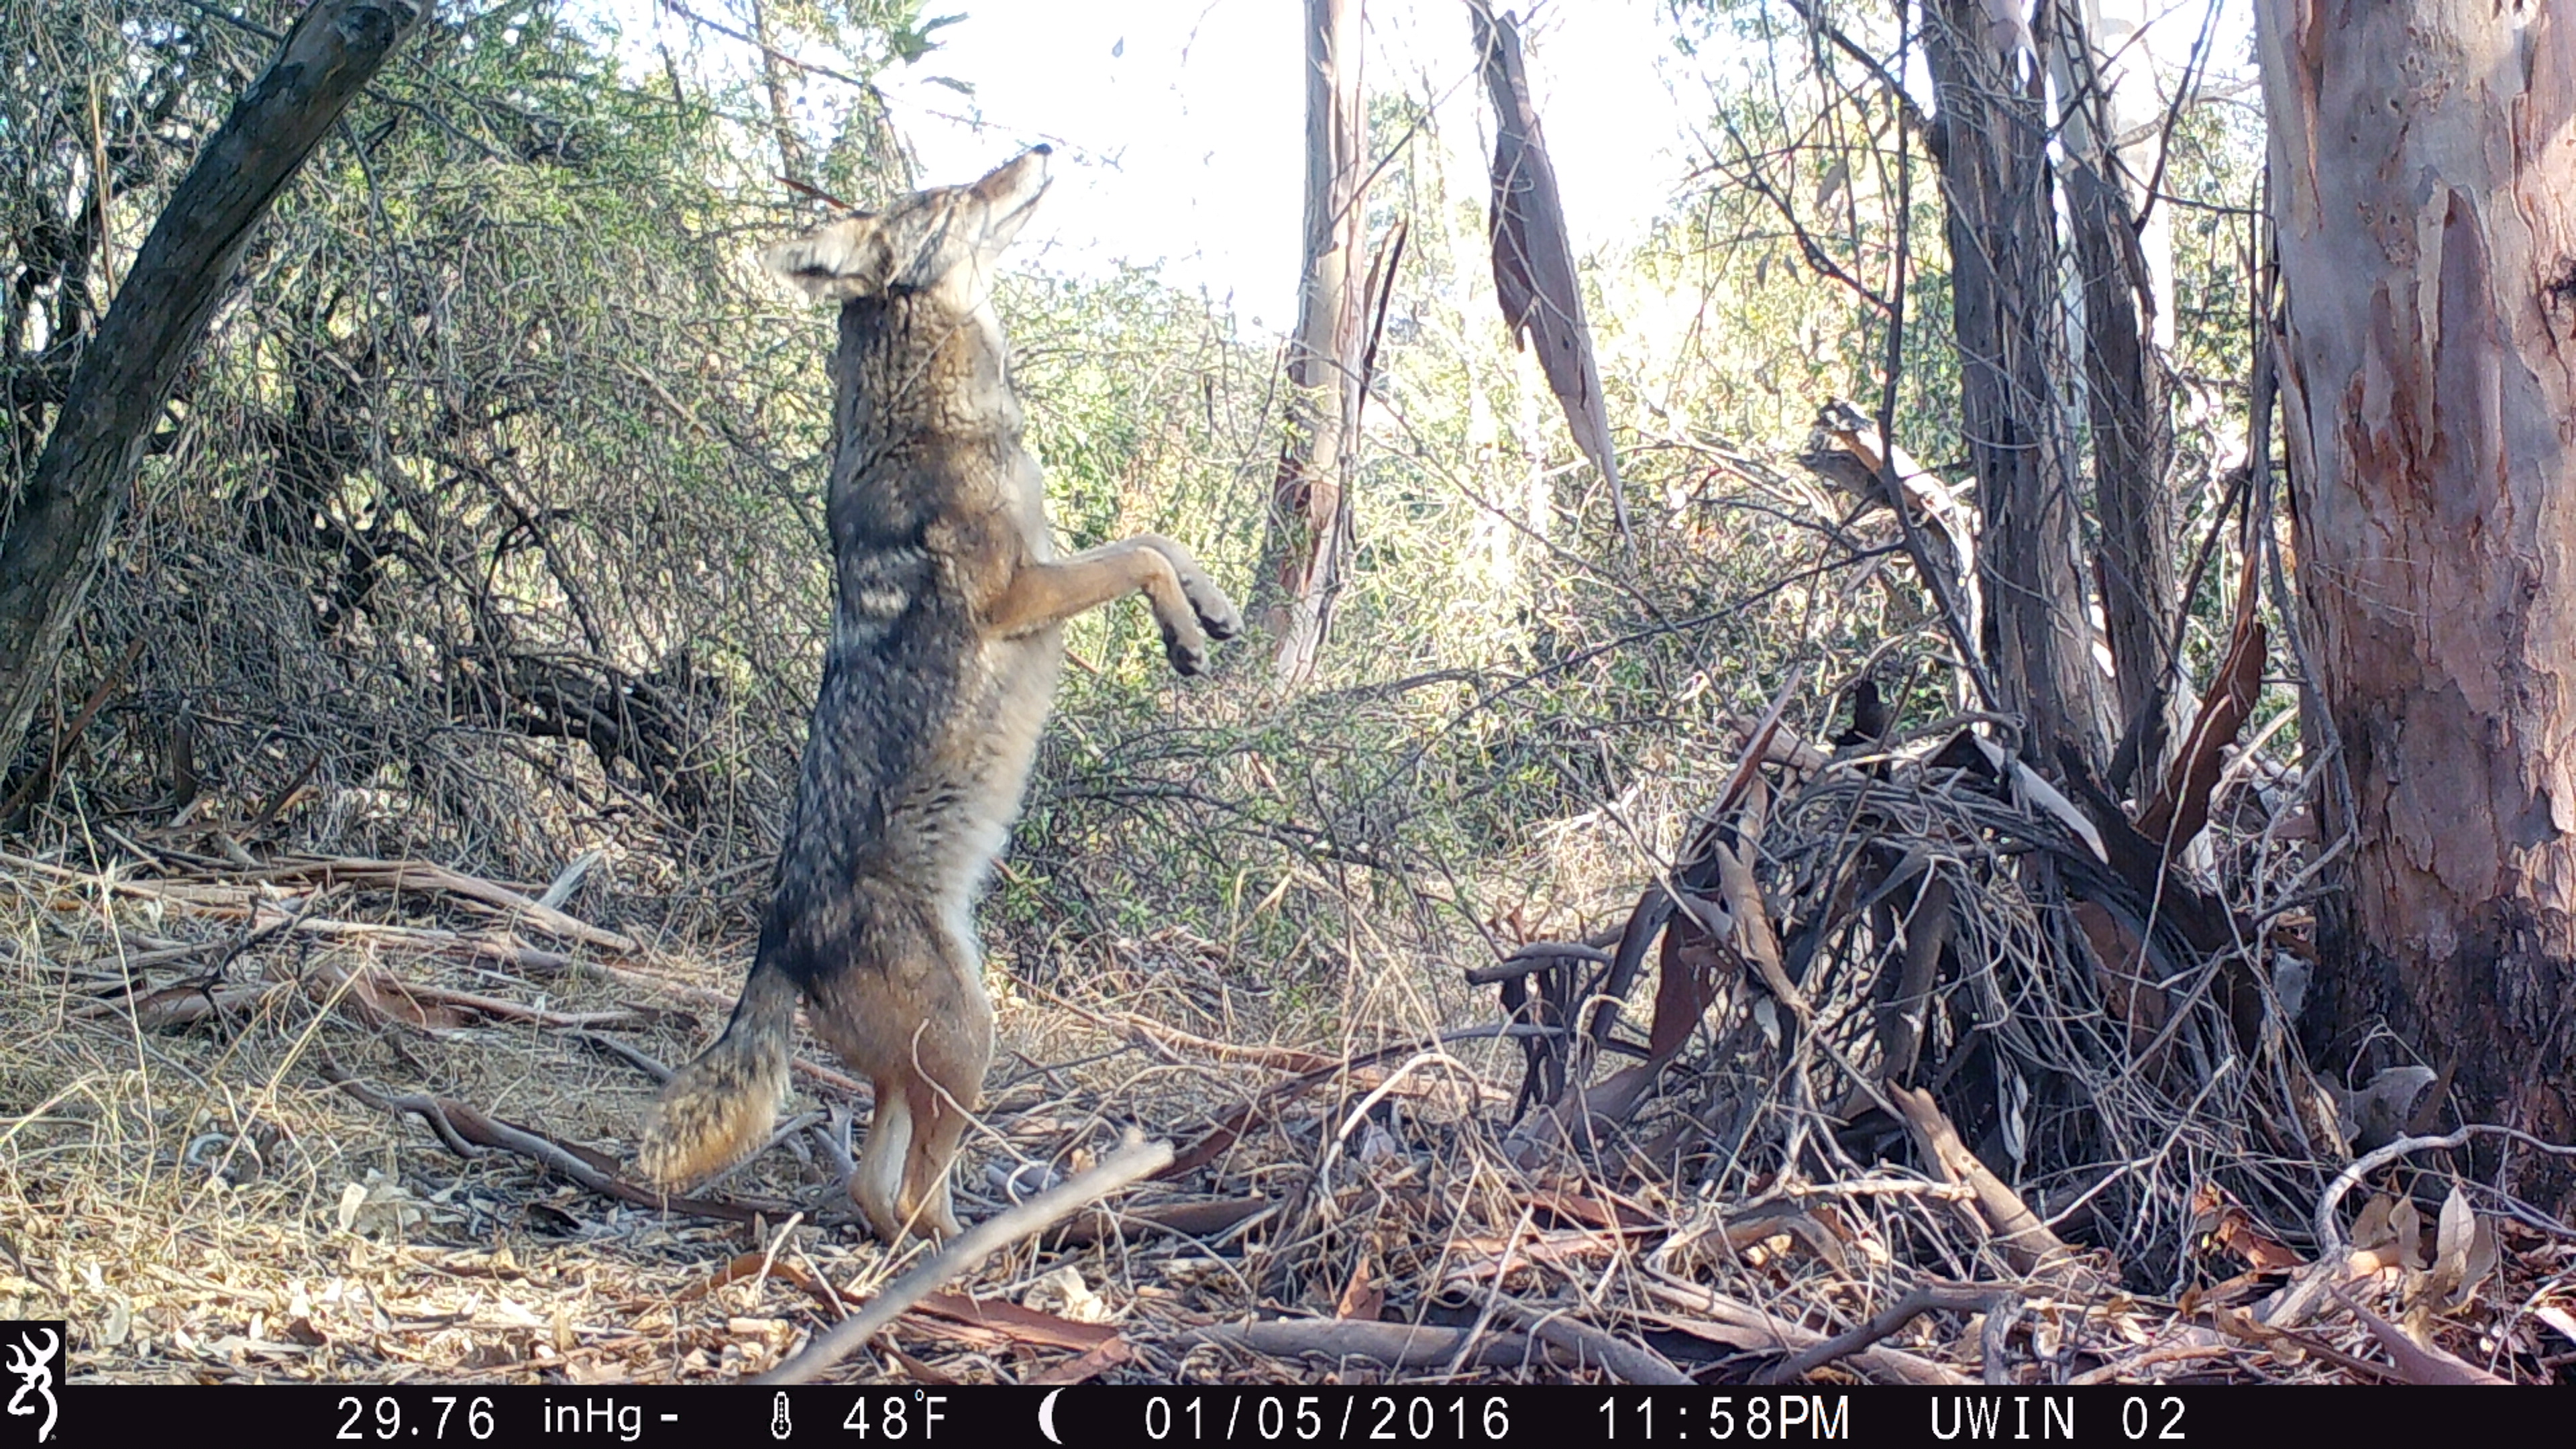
(2417, 1363)
(2027, 1243)
(1396, 1345)
(1181, 1219)
(396, 875)
(2330, 1238)
(1741, 1325)
(1630, 1363)
(466, 1131)
(1135, 1160)
(1883, 1324)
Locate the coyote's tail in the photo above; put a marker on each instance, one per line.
(719, 1108)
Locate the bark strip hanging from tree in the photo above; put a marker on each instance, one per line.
(54, 543)
(1534, 276)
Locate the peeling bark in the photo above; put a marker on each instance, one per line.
(2424, 188)
(1534, 274)
(1309, 516)
(2125, 271)
(1992, 145)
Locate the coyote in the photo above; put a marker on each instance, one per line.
(948, 602)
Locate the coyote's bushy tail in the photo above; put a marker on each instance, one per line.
(721, 1106)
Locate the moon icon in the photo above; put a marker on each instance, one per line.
(1046, 1416)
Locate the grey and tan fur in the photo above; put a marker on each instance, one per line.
(946, 643)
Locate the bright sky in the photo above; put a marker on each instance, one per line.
(1179, 124)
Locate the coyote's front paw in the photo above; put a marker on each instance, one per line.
(1217, 613)
(1187, 650)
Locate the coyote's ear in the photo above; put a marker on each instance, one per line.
(1010, 195)
(847, 259)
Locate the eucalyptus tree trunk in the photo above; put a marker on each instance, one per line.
(53, 542)
(2424, 193)
(2123, 251)
(1991, 140)
(1309, 508)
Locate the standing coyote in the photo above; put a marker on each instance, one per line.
(948, 602)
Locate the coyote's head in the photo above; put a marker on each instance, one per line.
(938, 240)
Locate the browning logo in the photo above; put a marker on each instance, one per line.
(32, 1352)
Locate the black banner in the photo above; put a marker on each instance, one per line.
(307, 1416)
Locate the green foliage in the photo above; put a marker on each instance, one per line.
(497, 490)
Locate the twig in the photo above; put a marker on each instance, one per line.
(1133, 1161)
(71, 734)
(1148, 1032)
(1213, 1143)
(2330, 1238)
(1740, 1324)
(1632, 1363)
(1533, 957)
(649, 1066)
(2125, 1370)
(1397, 1345)
(1882, 1324)
(465, 1130)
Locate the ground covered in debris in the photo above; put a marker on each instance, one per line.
(320, 1118)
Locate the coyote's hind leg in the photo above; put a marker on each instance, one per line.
(917, 1025)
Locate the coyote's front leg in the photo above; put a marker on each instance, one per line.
(1187, 603)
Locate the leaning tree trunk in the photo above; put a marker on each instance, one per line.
(792, 164)
(51, 546)
(1309, 517)
(2125, 268)
(2424, 192)
(1992, 146)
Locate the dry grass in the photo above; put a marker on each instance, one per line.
(204, 1204)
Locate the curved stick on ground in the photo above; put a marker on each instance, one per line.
(1133, 1161)
(1631, 1363)
(1715, 1316)
(1396, 1345)
(1889, 1321)
(2330, 1239)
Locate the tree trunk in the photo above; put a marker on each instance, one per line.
(1992, 145)
(2126, 272)
(2424, 192)
(52, 545)
(1309, 519)
(773, 83)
